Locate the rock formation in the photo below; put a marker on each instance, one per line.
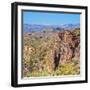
(47, 54)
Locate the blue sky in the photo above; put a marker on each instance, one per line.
(45, 18)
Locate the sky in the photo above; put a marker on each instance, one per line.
(45, 18)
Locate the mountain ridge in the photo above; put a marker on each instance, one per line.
(41, 28)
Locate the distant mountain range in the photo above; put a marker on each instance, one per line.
(41, 28)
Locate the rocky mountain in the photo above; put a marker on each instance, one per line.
(41, 28)
(51, 53)
(70, 26)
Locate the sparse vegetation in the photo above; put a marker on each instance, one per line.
(39, 49)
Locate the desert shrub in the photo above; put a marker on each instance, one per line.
(38, 74)
(75, 61)
(76, 32)
(67, 69)
(40, 60)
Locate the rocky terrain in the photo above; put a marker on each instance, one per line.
(51, 53)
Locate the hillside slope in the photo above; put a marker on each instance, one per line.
(51, 53)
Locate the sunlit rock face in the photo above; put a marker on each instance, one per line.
(70, 46)
(47, 51)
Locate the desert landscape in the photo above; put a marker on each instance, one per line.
(50, 50)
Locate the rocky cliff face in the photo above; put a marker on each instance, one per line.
(47, 54)
(66, 48)
(69, 46)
